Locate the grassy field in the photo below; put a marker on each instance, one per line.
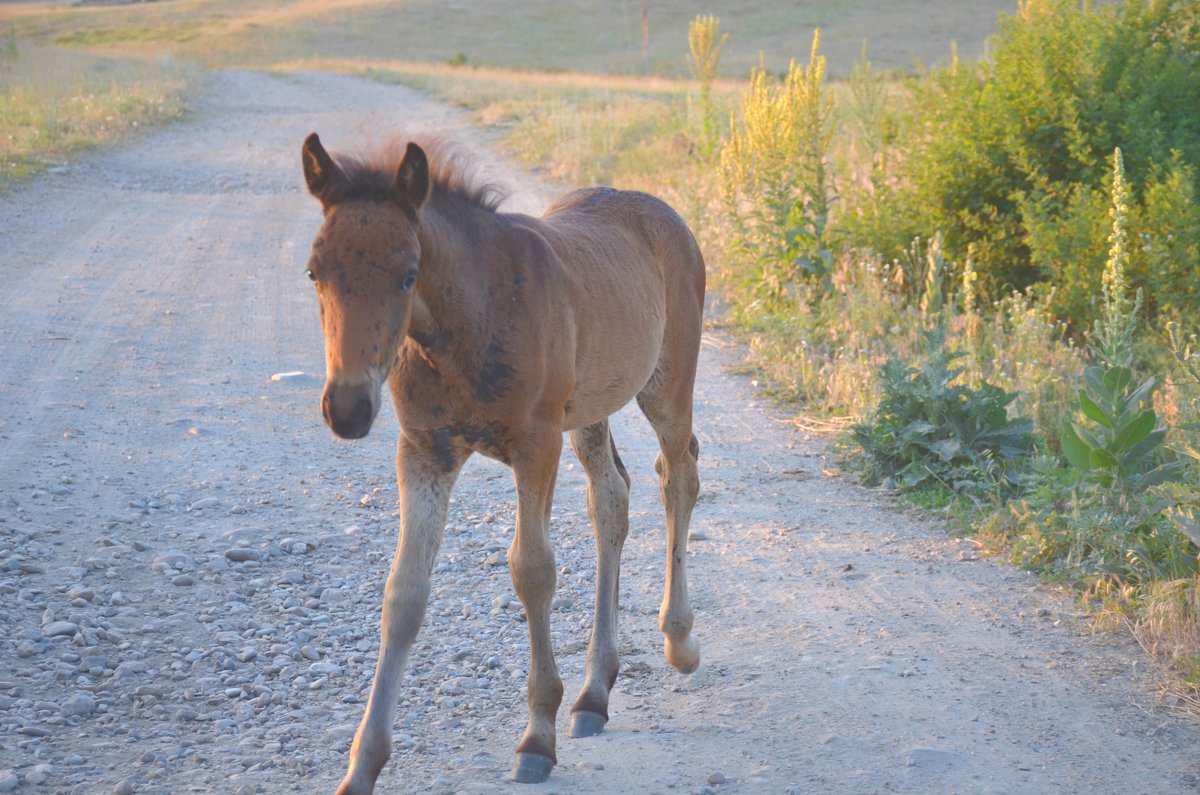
(521, 34)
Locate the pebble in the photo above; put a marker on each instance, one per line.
(243, 554)
(80, 704)
(204, 504)
(124, 787)
(38, 774)
(56, 628)
(9, 780)
(716, 778)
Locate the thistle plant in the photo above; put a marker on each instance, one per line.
(705, 44)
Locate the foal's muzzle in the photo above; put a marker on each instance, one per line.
(349, 410)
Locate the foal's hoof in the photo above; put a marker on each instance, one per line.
(585, 723)
(531, 768)
(683, 656)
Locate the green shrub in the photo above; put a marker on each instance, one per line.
(1008, 158)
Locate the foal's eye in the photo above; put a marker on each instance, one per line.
(408, 282)
(312, 277)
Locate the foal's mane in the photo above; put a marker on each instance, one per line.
(454, 173)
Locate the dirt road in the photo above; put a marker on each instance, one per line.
(191, 566)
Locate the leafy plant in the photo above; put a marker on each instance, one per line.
(1007, 157)
(775, 178)
(704, 48)
(1117, 450)
(929, 429)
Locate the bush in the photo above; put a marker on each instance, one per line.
(1008, 158)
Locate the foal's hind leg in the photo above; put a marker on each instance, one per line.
(670, 412)
(608, 508)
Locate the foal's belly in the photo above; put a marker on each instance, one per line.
(609, 378)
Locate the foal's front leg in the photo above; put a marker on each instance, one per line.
(425, 480)
(531, 563)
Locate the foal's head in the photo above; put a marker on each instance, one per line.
(364, 264)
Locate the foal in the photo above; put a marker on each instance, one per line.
(495, 334)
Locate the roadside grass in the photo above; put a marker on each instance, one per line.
(54, 103)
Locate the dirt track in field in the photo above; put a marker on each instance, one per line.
(190, 566)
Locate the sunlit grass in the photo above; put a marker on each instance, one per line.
(54, 103)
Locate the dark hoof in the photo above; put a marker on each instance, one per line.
(531, 768)
(587, 724)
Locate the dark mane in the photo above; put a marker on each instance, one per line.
(453, 171)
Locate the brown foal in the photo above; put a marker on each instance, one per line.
(496, 333)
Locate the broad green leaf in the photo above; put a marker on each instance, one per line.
(1133, 432)
(1135, 398)
(1160, 475)
(1143, 449)
(1099, 458)
(1076, 451)
(1094, 379)
(946, 449)
(1117, 379)
(1092, 411)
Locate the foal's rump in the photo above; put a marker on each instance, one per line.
(635, 280)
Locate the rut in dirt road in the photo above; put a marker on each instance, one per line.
(191, 567)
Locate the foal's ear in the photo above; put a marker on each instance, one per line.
(319, 169)
(411, 188)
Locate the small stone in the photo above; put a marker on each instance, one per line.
(123, 787)
(497, 558)
(80, 704)
(203, 504)
(242, 554)
(716, 779)
(56, 628)
(323, 668)
(333, 596)
(342, 732)
(39, 774)
(697, 535)
(183, 579)
(295, 546)
(9, 780)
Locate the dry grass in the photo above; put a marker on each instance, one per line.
(54, 103)
(519, 34)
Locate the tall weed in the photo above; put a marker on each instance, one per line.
(775, 178)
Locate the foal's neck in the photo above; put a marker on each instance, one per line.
(457, 243)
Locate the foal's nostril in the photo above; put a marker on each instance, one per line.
(362, 412)
(347, 411)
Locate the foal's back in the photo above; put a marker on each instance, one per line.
(634, 277)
